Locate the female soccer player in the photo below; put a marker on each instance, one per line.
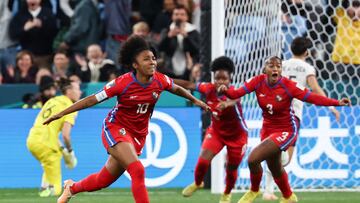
(279, 131)
(227, 128)
(298, 70)
(126, 126)
(43, 141)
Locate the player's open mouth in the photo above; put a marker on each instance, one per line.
(274, 75)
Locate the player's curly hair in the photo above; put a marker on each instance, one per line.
(131, 48)
(64, 84)
(222, 63)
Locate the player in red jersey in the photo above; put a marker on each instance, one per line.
(280, 127)
(227, 128)
(126, 126)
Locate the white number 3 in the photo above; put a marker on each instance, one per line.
(283, 137)
(270, 108)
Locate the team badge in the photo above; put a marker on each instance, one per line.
(278, 98)
(208, 136)
(122, 131)
(155, 95)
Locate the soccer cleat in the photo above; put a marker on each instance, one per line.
(66, 195)
(269, 196)
(46, 192)
(225, 198)
(292, 199)
(249, 197)
(190, 189)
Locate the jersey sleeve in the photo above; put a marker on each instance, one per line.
(70, 118)
(112, 88)
(249, 86)
(166, 82)
(310, 70)
(203, 87)
(305, 95)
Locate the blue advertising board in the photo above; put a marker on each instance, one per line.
(169, 156)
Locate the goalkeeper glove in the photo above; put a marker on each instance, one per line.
(69, 158)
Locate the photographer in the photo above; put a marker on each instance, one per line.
(180, 40)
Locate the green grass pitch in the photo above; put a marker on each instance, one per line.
(166, 195)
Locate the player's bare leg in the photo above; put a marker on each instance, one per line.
(201, 167)
(125, 154)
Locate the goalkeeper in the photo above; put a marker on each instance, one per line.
(43, 140)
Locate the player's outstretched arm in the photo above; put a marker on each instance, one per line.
(81, 104)
(178, 90)
(225, 104)
(315, 87)
(231, 92)
(307, 96)
(185, 84)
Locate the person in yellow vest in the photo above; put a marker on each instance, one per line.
(347, 41)
(43, 140)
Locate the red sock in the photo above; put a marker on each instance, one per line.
(137, 173)
(200, 170)
(255, 180)
(283, 184)
(231, 176)
(94, 182)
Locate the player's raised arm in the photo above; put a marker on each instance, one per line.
(82, 104)
(178, 90)
(185, 84)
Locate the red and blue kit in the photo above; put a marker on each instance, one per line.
(280, 123)
(128, 121)
(228, 127)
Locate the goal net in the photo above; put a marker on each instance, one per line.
(327, 154)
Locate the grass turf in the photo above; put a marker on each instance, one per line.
(165, 195)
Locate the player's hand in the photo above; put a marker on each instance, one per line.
(222, 89)
(344, 102)
(52, 118)
(336, 113)
(69, 158)
(222, 105)
(202, 105)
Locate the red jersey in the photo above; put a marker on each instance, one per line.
(275, 101)
(135, 101)
(230, 121)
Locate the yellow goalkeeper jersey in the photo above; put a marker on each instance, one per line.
(347, 41)
(49, 134)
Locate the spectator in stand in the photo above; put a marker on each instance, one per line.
(117, 30)
(85, 28)
(61, 65)
(41, 73)
(35, 28)
(7, 45)
(97, 68)
(346, 52)
(64, 13)
(163, 19)
(181, 38)
(24, 72)
(149, 10)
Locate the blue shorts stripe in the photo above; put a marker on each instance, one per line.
(109, 138)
